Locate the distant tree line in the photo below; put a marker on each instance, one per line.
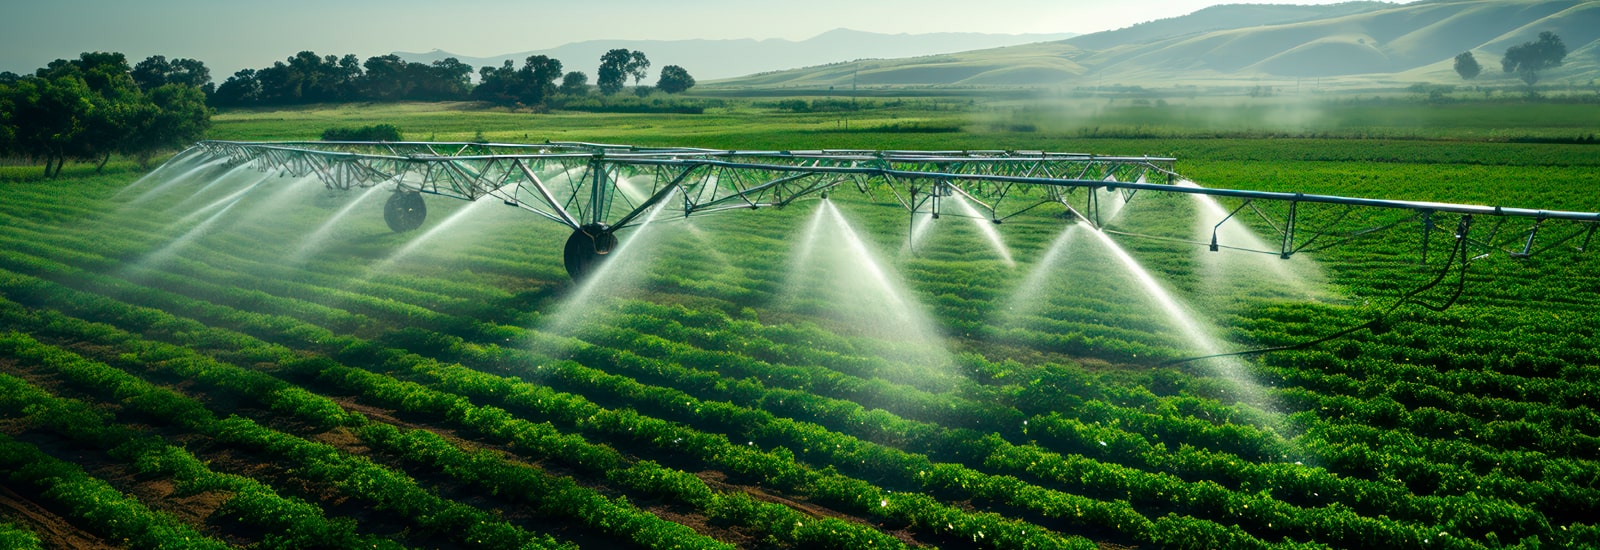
(97, 105)
(309, 78)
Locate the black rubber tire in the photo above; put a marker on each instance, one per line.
(586, 248)
(405, 211)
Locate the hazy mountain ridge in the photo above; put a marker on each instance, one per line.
(1221, 17)
(1393, 40)
(713, 59)
(1354, 42)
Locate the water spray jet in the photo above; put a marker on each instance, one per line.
(317, 238)
(987, 229)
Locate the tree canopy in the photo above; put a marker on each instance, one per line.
(45, 118)
(155, 71)
(1528, 58)
(638, 66)
(575, 83)
(674, 79)
(98, 105)
(91, 107)
(1467, 66)
(613, 72)
(309, 78)
(531, 85)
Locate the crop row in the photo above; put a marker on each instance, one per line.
(794, 347)
(1563, 497)
(286, 522)
(12, 536)
(101, 508)
(961, 522)
(359, 478)
(1080, 475)
(439, 322)
(106, 511)
(553, 496)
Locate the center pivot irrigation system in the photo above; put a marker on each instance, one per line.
(597, 190)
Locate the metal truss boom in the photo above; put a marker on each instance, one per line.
(607, 187)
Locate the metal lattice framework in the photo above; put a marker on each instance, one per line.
(598, 189)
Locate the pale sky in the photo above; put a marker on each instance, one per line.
(231, 34)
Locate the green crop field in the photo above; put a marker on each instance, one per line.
(178, 370)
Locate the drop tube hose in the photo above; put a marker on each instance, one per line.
(1379, 324)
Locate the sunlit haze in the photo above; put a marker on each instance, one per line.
(229, 36)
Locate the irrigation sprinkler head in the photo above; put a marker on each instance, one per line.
(1213, 240)
(996, 221)
(586, 248)
(405, 211)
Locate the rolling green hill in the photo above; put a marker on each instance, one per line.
(1354, 44)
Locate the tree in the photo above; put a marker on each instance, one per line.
(309, 78)
(1528, 58)
(240, 89)
(102, 71)
(494, 83)
(115, 107)
(1467, 66)
(114, 122)
(176, 116)
(674, 79)
(451, 79)
(46, 117)
(151, 72)
(155, 71)
(575, 83)
(537, 79)
(613, 71)
(91, 107)
(346, 76)
(531, 85)
(638, 66)
(385, 77)
(389, 78)
(191, 72)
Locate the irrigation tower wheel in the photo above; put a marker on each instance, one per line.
(587, 246)
(405, 211)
